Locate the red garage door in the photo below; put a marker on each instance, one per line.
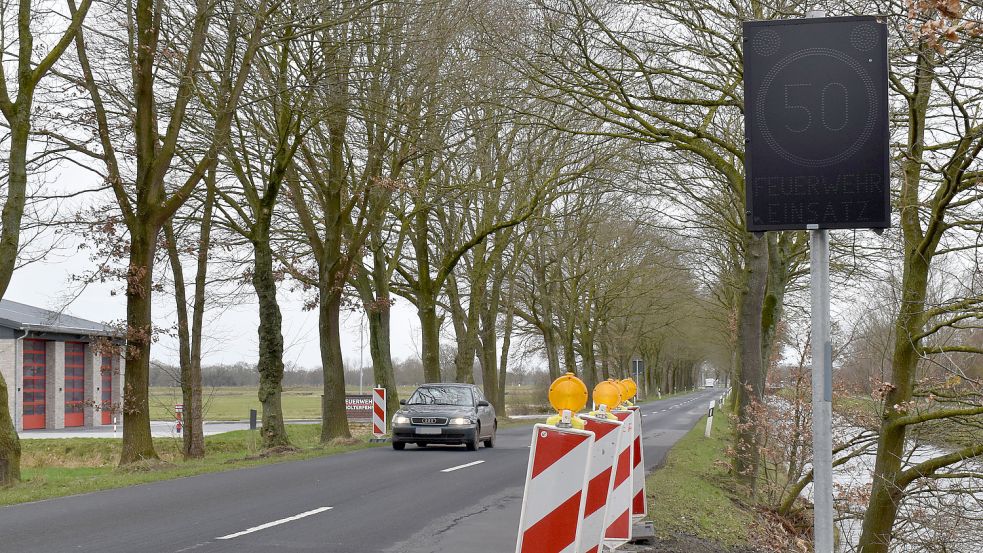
(106, 369)
(74, 383)
(35, 368)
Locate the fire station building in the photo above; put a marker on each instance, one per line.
(55, 376)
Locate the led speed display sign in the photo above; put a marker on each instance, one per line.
(815, 96)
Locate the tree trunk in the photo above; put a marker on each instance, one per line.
(465, 333)
(547, 326)
(750, 381)
(138, 444)
(382, 362)
(552, 352)
(886, 494)
(270, 363)
(13, 211)
(773, 307)
(335, 424)
(587, 355)
(430, 335)
(493, 386)
(9, 442)
(13, 207)
(487, 297)
(569, 352)
(605, 361)
(183, 333)
(194, 443)
(504, 358)
(377, 311)
(489, 365)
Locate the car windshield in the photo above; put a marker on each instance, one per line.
(441, 395)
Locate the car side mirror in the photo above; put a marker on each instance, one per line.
(483, 403)
(402, 402)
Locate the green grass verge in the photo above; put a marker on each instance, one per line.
(59, 467)
(693, 493)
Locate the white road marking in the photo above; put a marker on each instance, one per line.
(464, 466)
(275, 523)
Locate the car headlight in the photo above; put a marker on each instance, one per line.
(461, 421)
(401, 419)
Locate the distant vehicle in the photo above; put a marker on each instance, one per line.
(710, 383)
(445, 414)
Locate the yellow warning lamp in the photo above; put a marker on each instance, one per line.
(632, 388)
(624, 392)
(608, 394)
(568, 393)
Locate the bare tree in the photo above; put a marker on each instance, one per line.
(17, 114)
(939, 203)
(145, 199)
(268, 130)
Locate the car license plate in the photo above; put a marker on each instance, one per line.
(428, 431)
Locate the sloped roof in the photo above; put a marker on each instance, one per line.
(21, 316)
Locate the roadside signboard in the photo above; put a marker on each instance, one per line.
(358, 407)
(816, 124)
(179, 416)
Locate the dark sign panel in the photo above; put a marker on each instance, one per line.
(815, 96)
(358, 407)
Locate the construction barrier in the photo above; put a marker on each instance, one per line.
(607, 441)
(639, 507)
(554, 497)
(618, 518)
(378, 412)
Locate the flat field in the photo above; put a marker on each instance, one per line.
(234, 403)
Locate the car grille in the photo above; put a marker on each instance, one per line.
(432, 421)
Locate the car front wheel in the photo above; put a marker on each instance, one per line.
(490, 442)
(399, 446)
(472, 444)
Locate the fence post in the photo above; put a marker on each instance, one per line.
(706, 434)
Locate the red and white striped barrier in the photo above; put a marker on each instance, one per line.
(618, 518)
(607, 439)
(553, 500)
(639, 507)
(378, 412)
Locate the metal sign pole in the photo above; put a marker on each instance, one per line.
(822, 393)
(822, 384)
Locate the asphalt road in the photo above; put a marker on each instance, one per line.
(375, 500)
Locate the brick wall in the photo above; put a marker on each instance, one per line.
(119, 380)
(55, 385)
(19, 372)
(91, 383)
